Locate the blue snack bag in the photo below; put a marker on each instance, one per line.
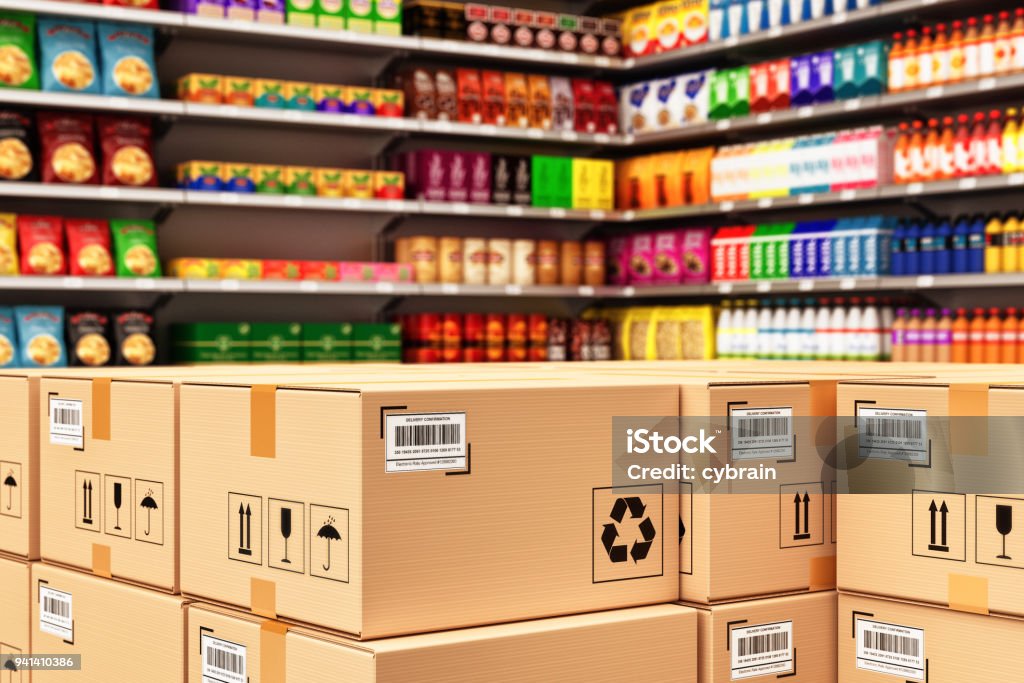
(41, 332)
(8, 339)
(127, 58)
(67, 51)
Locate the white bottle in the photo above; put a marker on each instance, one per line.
(794, 333)
(886, 318)
(778, 336)
(748, 332)
(764, 330)
(822, 334)
(808, 347)
(854, 315)
(871, 341)
(837, 330)
(723, 331)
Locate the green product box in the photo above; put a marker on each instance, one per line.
(387, 17)
(783, 232)
(323, 342)
(330, 14)
(359, 16)
(551, 181)
(276, 342)
(739, 91)
(720, 107)
(758, 252)
(872, 68)
(377, 342)
(211, 342)
(301, 13)
(845, 77)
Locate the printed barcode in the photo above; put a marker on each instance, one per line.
(892, 428)
(769, 642)
(427, 435)
(57, 607)
(888, 642)
(67, 416)
(225, 661)
(752, 427)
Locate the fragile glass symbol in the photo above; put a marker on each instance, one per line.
(10, 483)
(117, 505)
(328, 532)
(286, 531)
(1004, 525)
(150, 505)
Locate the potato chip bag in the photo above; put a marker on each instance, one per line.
(89, 339)
(42, 245)
(18, 51)
(67, 49)
(8, 339)
(133, 338)
(89, 247)
(17, 143)
(127, 57)
(8, 244)
(67, 148)
(135, 248)
(41, 336)
(127, 151)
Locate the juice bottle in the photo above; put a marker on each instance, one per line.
(871, 332)
(976, 337)
(925, 76)
(915, 152)
(899, 325)
(901, 155)
(1011, 138)
(1020, 144)
(1012, 240)
(994, 143)
(1003, 44)
(1018, 239)
(943, 338)
(927, 346)
(896, 65)
(979, 145)
(959, 247)
(976, 245)
(886, 320)
(1017, 41)
(930, 156)
(971, 57)
(994, 245)
(987, 47)
(947, 145)
(993, 336)
(940, 56)
(956, 52)
(910, 63)
(960, 346)
(912, 337)
(962, 147)
(1008, 337)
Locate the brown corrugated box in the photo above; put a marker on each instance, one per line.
(122, 632)
(790, 638)
(651, 644)
(888, 640)
(498, 533)
(14, 623)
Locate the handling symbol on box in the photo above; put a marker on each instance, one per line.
(244, 529)
(803, 532)
(640, 548)
(943, 511)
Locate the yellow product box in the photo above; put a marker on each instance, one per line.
(300, 95)
(270, 179)
(236, 177)
(200, 175)
(359, 184)
(194, 268)
(330, 182)
(330, 97)
(388, 102)
(240, 269)
(300, 180)
(604, 184)
(693, 21)
(388, 185)
(8, 247)
(240, 92)
(201, 88)
(582, 183)
(270, 93)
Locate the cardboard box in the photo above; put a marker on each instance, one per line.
(116, 627)
(15, 627)
(791, 638)
(884, 640)
(249, 452)
(656, 643)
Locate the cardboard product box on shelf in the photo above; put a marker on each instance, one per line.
(322, 504)
(894, 640)
(15, 627)
(948, 490)
(791, 638)
(121, 631)
(655, 643)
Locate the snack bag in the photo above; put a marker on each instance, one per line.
(67, 151)
(67, 51)
(127, 151)
(8, 338)
(41, 333)
(135, 248)
(89, 339)
(133, 338)
(42, 245)
(127, 57)
(17, 142)
(18, 51)
(89, 247)
(8, 244)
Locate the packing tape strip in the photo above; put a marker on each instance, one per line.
(821, 573)
(263, 598)
(823, 397)
(263, 421)
(272, 651)
(101, 560)
(968, 436)
(101, 408)
(968, 593)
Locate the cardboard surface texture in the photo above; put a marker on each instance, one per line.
(14, 623)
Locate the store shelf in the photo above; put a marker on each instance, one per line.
(98, 12)
(91, 193)
(97, 103)
(91, 284)
(301, 287)
(553, 291)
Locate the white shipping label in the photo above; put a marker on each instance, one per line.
(55, 614)
(66, 422)
(419, 442)
(761, 433)
(891, 649)
(893, 434)
(223, 662)
(761, 650)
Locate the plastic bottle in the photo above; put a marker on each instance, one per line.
(960, 346)
(794, 338)
(976, 245)
(927, 345)
(915, 153)
(976, 337)
(750, 332)
(1020, 340)
(971, 49)
(1008, 337)
(1011, 138)
(987, 47)
(947, 144)
(854, 329)
(837, 330)
(942, 248)
(896, 65)
(1018, 249)
(979, 146)
(912, 337)
(870, 331)
(897, 256)
(956, 52)
(898, 354)
(887, 318)
(910, 62)
(943, 338)
(822, 333)
(778, 336)
(932, 150)
(808, 343)
(901, 155)
(1012, 240)
(940, 56)
(925, 76)
(994, 245)
(962, 147)
(993, 336)
(959, 245)
(994, 143)
(1003, 45)
(1017, 40)
(764, 330)
(912, 249)
(927, 249)
(723, 331)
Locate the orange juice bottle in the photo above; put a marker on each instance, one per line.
(994, 143)
(925, 76)
(927, 346)
(912, 337)
(1018, 249)
(987, 47)
(1017, 41)
(971, 57)
(940, 56)
(979, 146)
(943, 338)
(896, 66)
(901, 155)
(993, 336)
(899, 333)
(930, 167)
(1003, 44)
(960, 347)
(910, 64)
(915, 152)
(962, 147)
(947, 149)
(956, 52)
(1011, 139)
(1008, 340)
(976, 337)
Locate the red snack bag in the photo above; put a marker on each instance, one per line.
(89, 247)
(494, 97)
(41, 239)
(607, 108)
(68, 152)
(127, 151)
(584, 105)
(281, 270)
(470, 95)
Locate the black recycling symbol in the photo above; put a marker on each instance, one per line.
(640, 548)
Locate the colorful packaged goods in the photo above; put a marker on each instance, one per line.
(135, 253)
(128, 60)
(18, 51)
(68, 60)
(126, 144)
(17, 145)
(67, 151)
(40, 331)
(89, 247)
(88, 337)
(41, 239)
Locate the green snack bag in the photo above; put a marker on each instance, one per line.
(377, 342)
(323, 342)
(276, 342)
(18, 51)
(135, 248)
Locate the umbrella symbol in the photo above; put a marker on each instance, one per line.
(10, 482)
(9, 664)
(328, 532)
(150, 505)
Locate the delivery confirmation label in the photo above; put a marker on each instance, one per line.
(66, 422)
(890, 649)
(419, 442)
(55, 615)
(893, 434)
(761, 433)
(223, 661)
(761, 650)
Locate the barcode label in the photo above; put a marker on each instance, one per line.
(418, 442)
(893, 434)
(55, 613)
(761, 650)
(890, 649)
(223, 661)
(761, 433)
(66, 422)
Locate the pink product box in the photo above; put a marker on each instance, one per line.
(668, 269)
(479, 177)
(695, 256)
(394, 272)
(458, 176)
(617, 255)
(366, 271)
(641, 259)
(426, 174)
